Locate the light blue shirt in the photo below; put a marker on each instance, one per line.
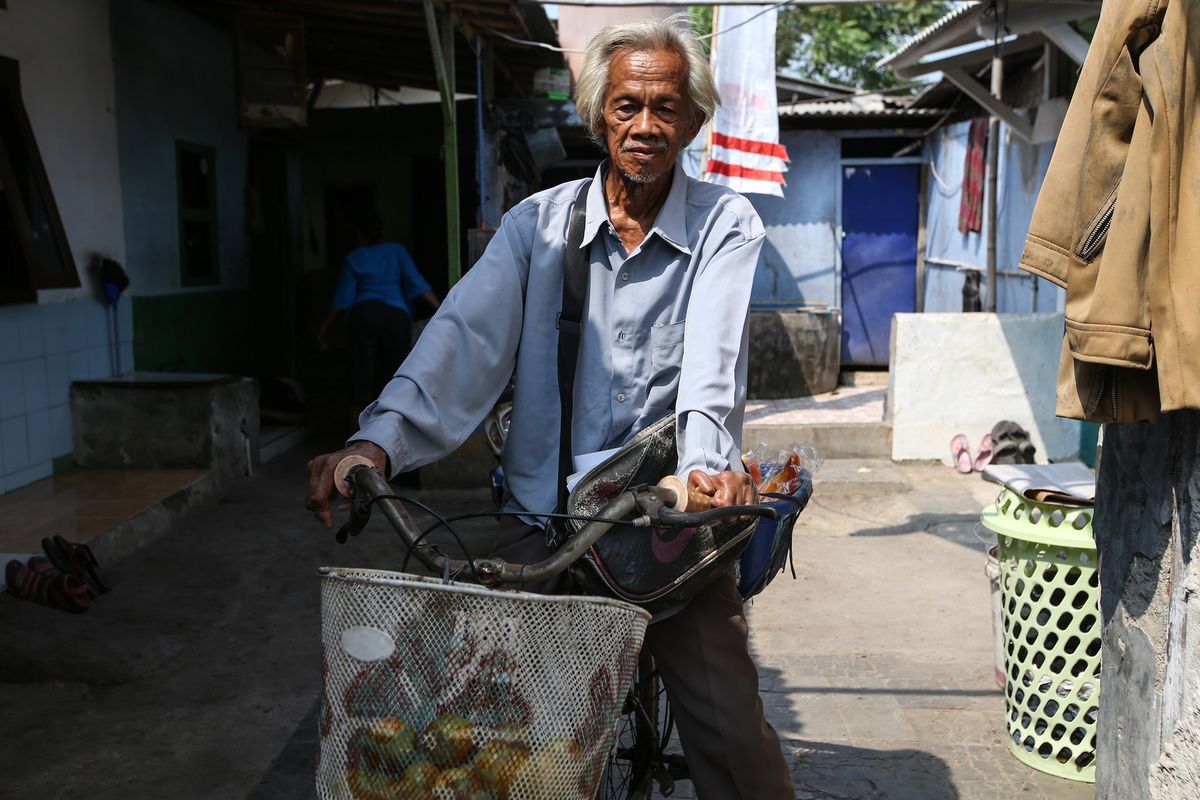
(383, 272)
(666, 327)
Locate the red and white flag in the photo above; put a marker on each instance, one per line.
(745, 153)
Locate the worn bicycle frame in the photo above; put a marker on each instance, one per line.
(653, 504)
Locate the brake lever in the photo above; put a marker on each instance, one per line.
(360, 515)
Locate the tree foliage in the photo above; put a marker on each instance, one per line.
(841, 43)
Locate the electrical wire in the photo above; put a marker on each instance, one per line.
(442, 521)
(545, 46)
(526, 42)
(746, 21)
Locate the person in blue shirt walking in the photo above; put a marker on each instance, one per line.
(378, 284)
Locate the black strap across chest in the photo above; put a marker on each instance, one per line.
(576, 263)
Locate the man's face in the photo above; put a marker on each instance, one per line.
(647, 116)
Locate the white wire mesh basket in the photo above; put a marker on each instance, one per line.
(450, 691)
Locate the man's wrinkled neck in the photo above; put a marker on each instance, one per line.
(636, 199)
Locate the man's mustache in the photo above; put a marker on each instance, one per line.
(656, 142)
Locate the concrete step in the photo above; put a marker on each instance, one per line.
(833, 440)
(863, 377)
(859, 476)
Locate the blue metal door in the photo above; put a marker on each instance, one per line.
(879, 256)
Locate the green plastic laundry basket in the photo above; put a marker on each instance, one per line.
(1050, 603)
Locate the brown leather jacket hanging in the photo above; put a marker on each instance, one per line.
(1091, 226)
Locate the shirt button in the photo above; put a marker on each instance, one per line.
(624, 276)
(621, 397)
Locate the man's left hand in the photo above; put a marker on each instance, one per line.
(725, 488)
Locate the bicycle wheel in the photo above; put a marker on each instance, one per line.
(629, 774)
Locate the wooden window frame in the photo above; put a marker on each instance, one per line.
(193, 214)
(35, 273)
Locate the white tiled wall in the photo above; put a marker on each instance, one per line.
(43, 348)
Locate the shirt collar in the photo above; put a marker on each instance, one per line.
(670, 224)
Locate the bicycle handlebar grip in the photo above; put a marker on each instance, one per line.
(343, 469)
(687, 500)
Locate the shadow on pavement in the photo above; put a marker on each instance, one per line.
(293, 772)
(841, 769)
(963, 529)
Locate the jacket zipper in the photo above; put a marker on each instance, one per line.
(1094, 402)
(1092, 243)
(1114, 394)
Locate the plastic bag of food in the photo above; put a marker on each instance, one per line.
(780, 472)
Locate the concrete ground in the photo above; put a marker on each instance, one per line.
(196, 677)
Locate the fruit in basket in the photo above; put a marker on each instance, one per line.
(460, 784)
(496, 765)
(418, 782)
(449, 740)
(554, 765)
(390, 745)
(367, 784)
(511, 735)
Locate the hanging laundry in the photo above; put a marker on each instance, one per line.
(970, 213)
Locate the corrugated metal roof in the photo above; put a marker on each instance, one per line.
(960, 27)
(873, 104)
(973, 9)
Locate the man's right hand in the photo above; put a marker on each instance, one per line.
(320, 476)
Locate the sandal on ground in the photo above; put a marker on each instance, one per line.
(961, 454)
(984, 456)
(43, 566)
(41, 582)
(75, 559)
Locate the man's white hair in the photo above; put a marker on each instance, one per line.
(645, 34)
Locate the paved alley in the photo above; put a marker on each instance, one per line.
(197, 676)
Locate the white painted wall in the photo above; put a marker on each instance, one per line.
(65, 57)
(962, 373)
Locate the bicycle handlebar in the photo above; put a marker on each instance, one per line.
(657, 504)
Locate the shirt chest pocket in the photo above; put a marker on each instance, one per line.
(666, 348)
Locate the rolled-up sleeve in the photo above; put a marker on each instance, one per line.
(462, 361)
(712, 388)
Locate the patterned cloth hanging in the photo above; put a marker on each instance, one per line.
(970, 213)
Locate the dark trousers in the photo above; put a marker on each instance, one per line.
(702, 653)
(380, 338)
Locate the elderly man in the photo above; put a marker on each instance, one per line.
(671, 265)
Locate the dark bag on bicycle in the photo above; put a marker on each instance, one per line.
(770, 547)
(656, 568)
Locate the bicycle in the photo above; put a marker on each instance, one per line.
(637, 759)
